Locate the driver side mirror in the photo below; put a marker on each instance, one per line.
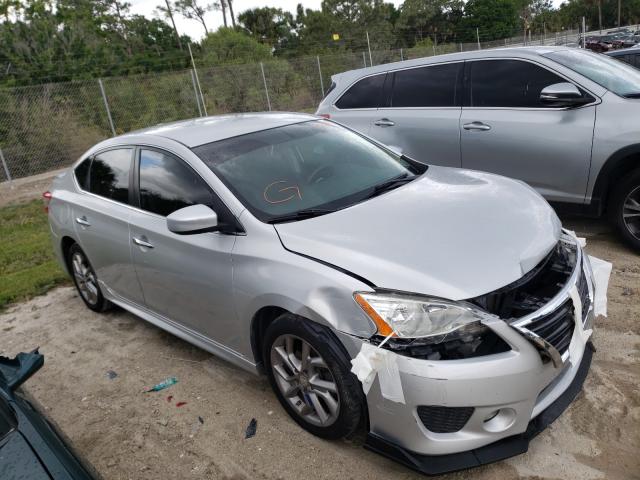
(193, 219)
(563, 94)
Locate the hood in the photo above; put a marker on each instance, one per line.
(451, 233)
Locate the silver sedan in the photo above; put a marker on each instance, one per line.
(442, 310)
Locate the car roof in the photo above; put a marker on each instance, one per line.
(199, 131)
(525, 52)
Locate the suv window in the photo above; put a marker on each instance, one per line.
(82, 174)
(509, 83)
(109, 174)
(366, 93)
(168, 184)
(432, 86)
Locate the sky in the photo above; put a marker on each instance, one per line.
(214, 19)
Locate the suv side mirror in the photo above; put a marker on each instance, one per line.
(563, 94)
(193, 219)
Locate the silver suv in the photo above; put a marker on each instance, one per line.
(291, 245)
(566, 121)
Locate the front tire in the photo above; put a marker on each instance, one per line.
(85, 280)
(624, 209)
(309, 371)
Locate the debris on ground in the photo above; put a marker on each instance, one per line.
(111, 374)
(169, 398)
(201, 420)
(251, 429)
(181, 404)
(162, 385)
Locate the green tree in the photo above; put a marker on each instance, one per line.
(231, 46)
(493, 19)
(193, 10)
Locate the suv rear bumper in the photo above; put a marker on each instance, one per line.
(504, 448)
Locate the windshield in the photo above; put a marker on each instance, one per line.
(316, 165)
(620, 78)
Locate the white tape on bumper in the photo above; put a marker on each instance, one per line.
(374, 360)
(601, 273)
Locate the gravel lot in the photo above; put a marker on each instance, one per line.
(127, 434)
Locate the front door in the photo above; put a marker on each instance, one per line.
(506, 129)
(185, 278)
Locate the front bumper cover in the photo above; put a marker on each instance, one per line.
(505, 448)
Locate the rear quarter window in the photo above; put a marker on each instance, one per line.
(82, 174)
(365, 93)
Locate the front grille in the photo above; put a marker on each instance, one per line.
(444, 419)
(556, 327)
(583, 292)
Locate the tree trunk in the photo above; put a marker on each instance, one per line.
(233, 17)
(173, 22)
(223, 4)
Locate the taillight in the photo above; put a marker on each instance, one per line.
(47, 198)
(325, 115)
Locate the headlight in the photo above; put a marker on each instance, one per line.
(412, 316)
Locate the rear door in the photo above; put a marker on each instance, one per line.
(357, 106)
(422, 114)
(185, 278)
(506, 129)
(101, 219)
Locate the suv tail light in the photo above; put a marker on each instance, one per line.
(47, 198)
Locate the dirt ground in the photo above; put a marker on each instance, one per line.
(127, 434)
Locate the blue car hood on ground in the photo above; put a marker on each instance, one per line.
(451, 233)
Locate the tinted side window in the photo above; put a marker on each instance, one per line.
(109, 175)
(509, 83)
(366, 93)
(82, 174)
(433, 86)
(167, 184)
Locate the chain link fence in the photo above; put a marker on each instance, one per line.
(45, 127)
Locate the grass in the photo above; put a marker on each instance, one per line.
(27, 265)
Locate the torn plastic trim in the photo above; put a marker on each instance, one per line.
(15, 371)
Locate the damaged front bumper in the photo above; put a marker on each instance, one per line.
(500, 450)
(457, 414)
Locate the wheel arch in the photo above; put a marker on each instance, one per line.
(620, 163)
(259, 324)
(65, 244)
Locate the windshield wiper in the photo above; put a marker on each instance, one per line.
(632, 95)
(391, 184)
(300, 215)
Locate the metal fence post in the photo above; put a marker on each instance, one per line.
(401, 56)
(106, 106)
(193, 64)
(320, 74)
(478, 37)
(364, 59)
(266, 90)
(195, 91)
(369, 48)
(6, 168)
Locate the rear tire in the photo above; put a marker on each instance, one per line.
(309, 371)
(85, 280)
(624, 209)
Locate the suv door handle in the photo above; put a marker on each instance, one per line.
(384, 122)
(142, 242)
(476, 126)
(83, 221)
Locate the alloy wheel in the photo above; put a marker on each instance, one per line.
(631, 212)
(85, 278)
(305, 381)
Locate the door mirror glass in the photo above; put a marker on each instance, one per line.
(562, 94)
(193, 219)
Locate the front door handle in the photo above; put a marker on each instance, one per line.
(142, 242)
(476, 126)
(384, 122)
(83, 221)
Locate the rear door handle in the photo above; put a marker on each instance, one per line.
(384, 122)
(142, 242)
(83, 221)
(476, 126)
